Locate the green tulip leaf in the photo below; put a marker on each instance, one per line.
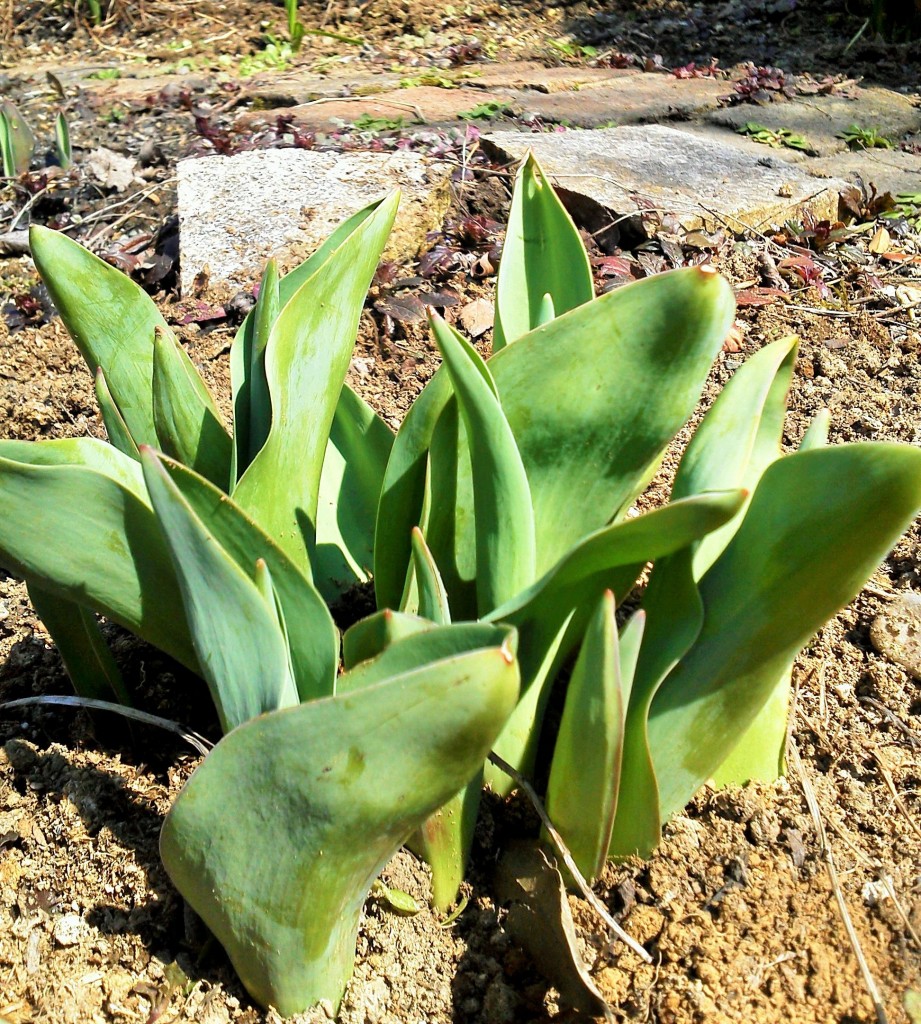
(585, 769)
(17, 143)
(674, 617)
(313, 641)
(433, 598)
(373, 634)
(112, 320)
(115, 425)
(86, 656)
(403, 490)
(738, 437)
(187, 421)
(544, 270)
(350, 487)
(278, 836)
(240, 647)
(96, 542)
(247, 361)
(306, 360)
(817, 527)
(505, 554)
(552, 615)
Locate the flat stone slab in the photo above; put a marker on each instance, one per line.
(890, 170)
(422, 104)
(289, 88)
(629, 99)
(704, 183)
(897, 633)
(822, 118)
(236, 212)
(527, 74)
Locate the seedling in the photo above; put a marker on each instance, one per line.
(776, 138)
(865, 138)
(487, 111)
(17, 143)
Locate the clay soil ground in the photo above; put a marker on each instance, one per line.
(741, 906)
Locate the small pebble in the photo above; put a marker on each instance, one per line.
(897, 633)
(68, 930)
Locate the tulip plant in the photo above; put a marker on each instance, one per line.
(501, 527)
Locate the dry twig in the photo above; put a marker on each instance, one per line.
(594, 902)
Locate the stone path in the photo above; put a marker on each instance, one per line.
(657, 140)
(655, 137)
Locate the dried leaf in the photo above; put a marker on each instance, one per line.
(540, 921)
(405, 308)
(881, 241)
(477, 317)
(111, 169)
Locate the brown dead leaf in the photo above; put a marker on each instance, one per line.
(881, 241)
(477, 317)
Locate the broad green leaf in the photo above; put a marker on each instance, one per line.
(312, 640)
(116, 428)
(423, 647)
(738, 438)
(306, 361)
(112, 321)
(187, 421)
(761, 751)
(592, 399)
(96, 542)
(433, 599)
(504, 523)
(585, 769)
(674, 616)
(314, 822)
(544, 270)
(350, 487)
(240, 648)
(817, 527)
(445, 838)
(552, 615)
(629, 646)
(371, 635)
(17, 143)
(243, 360)
(85, 654)
(403, 490)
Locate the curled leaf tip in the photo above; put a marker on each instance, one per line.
(508, 655)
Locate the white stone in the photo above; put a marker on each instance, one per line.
(68, 930)
(236, 212)
(704, 182)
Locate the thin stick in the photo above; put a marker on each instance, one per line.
(890, 785)
(813, 805)
(600, 909)
(900, 910)
(194, 739)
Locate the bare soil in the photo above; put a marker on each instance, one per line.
(737, 907)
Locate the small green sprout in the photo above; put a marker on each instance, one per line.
(864, 138)
(487, 111)
(776, 138)
(17, 143)
(369, 123)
